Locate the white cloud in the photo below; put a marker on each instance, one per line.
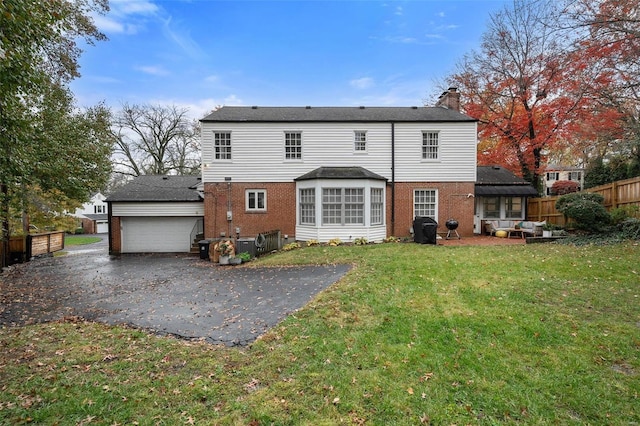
(126, 16)
(182, 37)
(399, 11)
(152, 70)
(362, 83)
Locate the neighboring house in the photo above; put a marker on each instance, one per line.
(337, 172)
(155, 214)
(93, 215)
(554, 173)
(500, 195)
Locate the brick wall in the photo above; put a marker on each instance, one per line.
(453, 202)
(280, 214)
(114, 232)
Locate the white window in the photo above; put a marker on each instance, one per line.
(575, 176)
(342, 206)
(360, 141)
(308, 206)
(293, 146)
(491, 207)
(553, 176)
(513, 207)
(429, 145)
(425, 203)
(222, 145)
(377, 206)
(99, 209)
(256, 200)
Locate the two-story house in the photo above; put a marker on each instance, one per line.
(337, 172)
(554, 173)
(93, 215)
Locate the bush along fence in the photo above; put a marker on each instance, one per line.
(623, 193)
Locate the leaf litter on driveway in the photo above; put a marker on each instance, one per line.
(168, 294)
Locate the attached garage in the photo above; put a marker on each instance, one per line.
(156, 214)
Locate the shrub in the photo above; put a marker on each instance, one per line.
(619, 214)
(360, 241)
(585, 209)
(311, 243)
(391, 239)
(334, 242)
(245, 256)
(291, 246)
(562, 187)
(630, 228)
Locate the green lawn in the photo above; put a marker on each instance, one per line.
(414, 334)
(76, 240)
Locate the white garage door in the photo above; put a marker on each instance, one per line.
(102, 227)
(156, 234)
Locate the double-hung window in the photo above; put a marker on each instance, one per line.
(308, 206)
(256, 200)
(430, 145)
(377, 206)
(491, 207)
(293, 145)
(553, 175)
(222, 145)
(425, 203)
(360, 141)
(342, 206)
(513, 207)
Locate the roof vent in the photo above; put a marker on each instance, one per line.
(414, 107)
(307, 107)
(254, 107)
(361, 106)
(165, 177)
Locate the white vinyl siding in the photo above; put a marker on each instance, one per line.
(158, 209)
(259, 149)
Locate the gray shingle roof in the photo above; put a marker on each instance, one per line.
(340, 173)
(496, 180)
(158, 188)
(234, 114)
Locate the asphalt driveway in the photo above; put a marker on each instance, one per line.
(168, 294)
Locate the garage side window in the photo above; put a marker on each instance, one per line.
(256, 200)
(424, 203)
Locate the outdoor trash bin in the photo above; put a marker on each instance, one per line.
(204, 249)
(424, 230)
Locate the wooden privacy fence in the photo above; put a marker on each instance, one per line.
(616, 194)
(21, 249)
(267, 242)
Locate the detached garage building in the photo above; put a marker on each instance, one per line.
(156, 214)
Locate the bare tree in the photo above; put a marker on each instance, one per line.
(155, 139)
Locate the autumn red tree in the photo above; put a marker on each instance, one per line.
(532, 91)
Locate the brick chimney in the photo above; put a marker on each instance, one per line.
(450, 99)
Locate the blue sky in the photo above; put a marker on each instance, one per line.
(202, 53)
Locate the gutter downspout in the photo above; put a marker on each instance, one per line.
(393, 178)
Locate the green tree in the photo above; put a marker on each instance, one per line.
(44, 142)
